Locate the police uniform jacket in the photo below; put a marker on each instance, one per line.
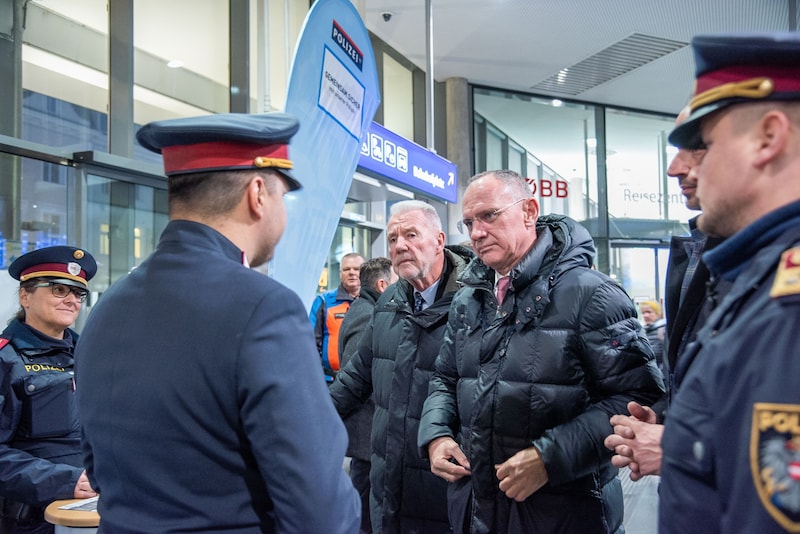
(394, 363)
(547, 368)
(731, 440)
(203, 405)
(40, 453)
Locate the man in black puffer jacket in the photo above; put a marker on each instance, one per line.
(526, 383)
(395, 362)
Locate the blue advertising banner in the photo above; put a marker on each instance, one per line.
(333, 90)
(386, 153)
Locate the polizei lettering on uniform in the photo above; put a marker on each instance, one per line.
(779, 421)
(36, 367)
(347, 44)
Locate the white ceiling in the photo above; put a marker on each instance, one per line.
(512, 44)
(516, 44)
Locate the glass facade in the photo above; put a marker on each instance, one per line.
(70, 180)
(64, 64)
(63, 179)
(604, 167)
(398, 97)
(180, 77)
(82, 76)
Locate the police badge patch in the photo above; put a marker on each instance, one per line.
(787, 278)
(775, 461)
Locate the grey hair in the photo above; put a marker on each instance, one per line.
(513, 181)
(404, 206)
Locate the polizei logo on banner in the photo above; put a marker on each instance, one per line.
(347, 44)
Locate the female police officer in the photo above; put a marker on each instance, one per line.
(40, 454)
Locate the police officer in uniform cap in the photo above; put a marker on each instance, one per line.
(731, 442)
(40, 453)
(201, 396)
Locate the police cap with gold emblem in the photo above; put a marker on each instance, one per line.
(65, 265)
(222, 142)
(736, 68)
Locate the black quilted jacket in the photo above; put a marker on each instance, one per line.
(395, 361)
(548, 368)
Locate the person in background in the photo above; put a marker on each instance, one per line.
(376, 275)
(539, 351)
(654, 327)
(40, 451)
(394, 363)
(731, 438)
(328, 311)
(199, 389)
(637, 437)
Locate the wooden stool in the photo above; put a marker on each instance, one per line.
(71, 521)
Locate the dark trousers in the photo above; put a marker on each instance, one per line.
(7, 526)
(359, 475)
(19, 518)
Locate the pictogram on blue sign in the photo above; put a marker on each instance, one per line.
(388, 154)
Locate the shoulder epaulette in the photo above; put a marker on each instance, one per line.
(787, 277)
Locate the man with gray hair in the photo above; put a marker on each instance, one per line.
(394, 362)
(538, 352)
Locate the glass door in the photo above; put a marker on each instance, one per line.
(641, 268)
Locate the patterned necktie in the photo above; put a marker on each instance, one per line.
(418, 302)
(502, 287)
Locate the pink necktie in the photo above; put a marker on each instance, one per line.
(502, 287)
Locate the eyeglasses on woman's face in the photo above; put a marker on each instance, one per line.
(62, 290)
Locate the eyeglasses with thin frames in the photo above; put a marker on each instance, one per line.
(62, 290)
(487, 217)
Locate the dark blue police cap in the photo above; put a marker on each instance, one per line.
(227, 141)
(739, 67)
(67, 265)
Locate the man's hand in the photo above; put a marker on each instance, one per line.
(636, 441)
(644, 414)
(522, 475)
(447, 459)
(83, 490)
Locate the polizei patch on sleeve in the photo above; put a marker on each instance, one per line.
(787, 279)
(775, 461)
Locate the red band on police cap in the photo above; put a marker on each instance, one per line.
(784, 79)
(52, 270)
(180, 159)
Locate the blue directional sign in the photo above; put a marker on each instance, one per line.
(387, 154)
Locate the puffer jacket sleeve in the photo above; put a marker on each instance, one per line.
(619, 367)
(440, 413)
(353, 384)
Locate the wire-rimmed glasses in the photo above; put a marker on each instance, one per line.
(487, 217)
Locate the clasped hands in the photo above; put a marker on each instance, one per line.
(636, 441)
(519, 477)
